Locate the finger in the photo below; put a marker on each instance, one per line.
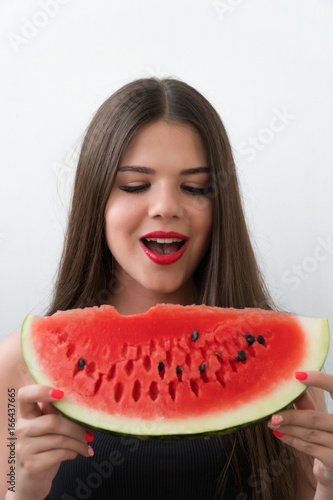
(29, 396)
(310, 419)
(314, 436)
(47, 408)
(321, 452)
(305, 402)
(57, 424)
(318, 379)
(36, 446)
(44, 461)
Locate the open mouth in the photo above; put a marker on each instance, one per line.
(167, 247)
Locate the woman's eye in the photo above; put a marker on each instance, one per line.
(195, 190)
(134, 189)
(189, 189)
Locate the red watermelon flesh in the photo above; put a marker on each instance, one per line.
(180, 369)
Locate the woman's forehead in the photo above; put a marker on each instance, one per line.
(159, 141)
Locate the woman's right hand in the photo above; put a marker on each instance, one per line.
(44, 439)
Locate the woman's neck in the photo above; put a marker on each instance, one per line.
(135, 301)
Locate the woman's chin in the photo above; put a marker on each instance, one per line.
(169, 289)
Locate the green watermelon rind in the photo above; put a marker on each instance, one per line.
(175, 437)
(208, 425)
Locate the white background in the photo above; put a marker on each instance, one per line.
(254, 60)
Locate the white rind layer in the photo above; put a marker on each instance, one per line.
(317, 331)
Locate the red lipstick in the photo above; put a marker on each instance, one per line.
(164, 234)
(164, 259)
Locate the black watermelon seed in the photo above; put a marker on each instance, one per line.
(161, 366)
(82, 363)
(202, 367)
(241, 356)
(217, 354)
(195, 335)
(250, 339)
(179, 369)
(261, 339)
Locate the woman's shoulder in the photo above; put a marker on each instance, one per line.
(13, 370)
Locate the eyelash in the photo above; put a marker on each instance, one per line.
(189, 189)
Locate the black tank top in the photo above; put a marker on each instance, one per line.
(134, 469)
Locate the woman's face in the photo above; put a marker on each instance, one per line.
(159, 193)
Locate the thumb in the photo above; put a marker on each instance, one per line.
(305, 402)
(47, 408)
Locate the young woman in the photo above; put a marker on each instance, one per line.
(156, 169)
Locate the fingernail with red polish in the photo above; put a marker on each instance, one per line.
(89, 437)
(278, 434)
(301, 375)
(56, 393)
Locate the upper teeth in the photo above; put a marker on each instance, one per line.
(164, 240)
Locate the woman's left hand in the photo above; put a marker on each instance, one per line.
(310, 431)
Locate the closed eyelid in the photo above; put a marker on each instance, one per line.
(139, 188)
(130, 177)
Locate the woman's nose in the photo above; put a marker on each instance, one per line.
(165, 202)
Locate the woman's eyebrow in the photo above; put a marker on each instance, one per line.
(141, 170)
(148, 170)
(195, 170)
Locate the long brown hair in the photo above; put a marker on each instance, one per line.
(228, 275)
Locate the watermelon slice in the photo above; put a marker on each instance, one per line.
(173, 371)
